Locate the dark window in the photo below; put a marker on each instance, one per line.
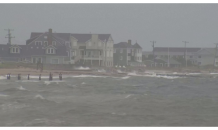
(16, 49)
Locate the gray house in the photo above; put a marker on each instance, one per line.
(205, 56)
(83, 49)
(126, 54)
(32, 54)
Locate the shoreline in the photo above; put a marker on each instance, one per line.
(34, 72)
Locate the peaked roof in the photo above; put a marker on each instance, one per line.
(206, 51)
(136, 45)
(66, 36)
(122, 45)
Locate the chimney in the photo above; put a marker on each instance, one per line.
(50, 36)
(129, 42)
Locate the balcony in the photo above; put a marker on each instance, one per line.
(94, 57)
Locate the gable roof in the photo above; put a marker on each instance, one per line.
(206, 51)
(122, 45)
(66, 36)
(136, 45)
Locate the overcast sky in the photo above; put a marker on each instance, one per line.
(168, 24)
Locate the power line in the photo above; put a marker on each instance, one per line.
(9, 35)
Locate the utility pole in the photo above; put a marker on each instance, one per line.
(185, 53)
(9, 36)
(214, 63)
(168, 65)
(153, 51)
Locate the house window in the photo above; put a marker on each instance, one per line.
(13, 50)
(50, 51)
(121, 50)
(16, 50)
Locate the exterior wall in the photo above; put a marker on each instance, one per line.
(138, 55)
(117, 57)
(204, 60)
(49, 59)
(159, 54)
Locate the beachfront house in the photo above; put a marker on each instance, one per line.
(206, 56)
(82, 49)
(126, 54)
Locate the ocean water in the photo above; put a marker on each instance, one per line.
(86, 100)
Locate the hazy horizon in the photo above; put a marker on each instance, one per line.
(168, 24)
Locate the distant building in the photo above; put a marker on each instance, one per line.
(175, 52)
(205, 56)
(126, 54)
(162, 62)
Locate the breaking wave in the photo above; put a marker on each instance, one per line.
(38, 96)
(82, 68)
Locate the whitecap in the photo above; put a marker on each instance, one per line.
(39, 97)
(83, 83)
(47, 82)
(3, 77)
(21, 88)
(125, 77)
(128, 96)
(82, 68)
(102, 71)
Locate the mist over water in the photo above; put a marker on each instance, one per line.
(109, 101)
